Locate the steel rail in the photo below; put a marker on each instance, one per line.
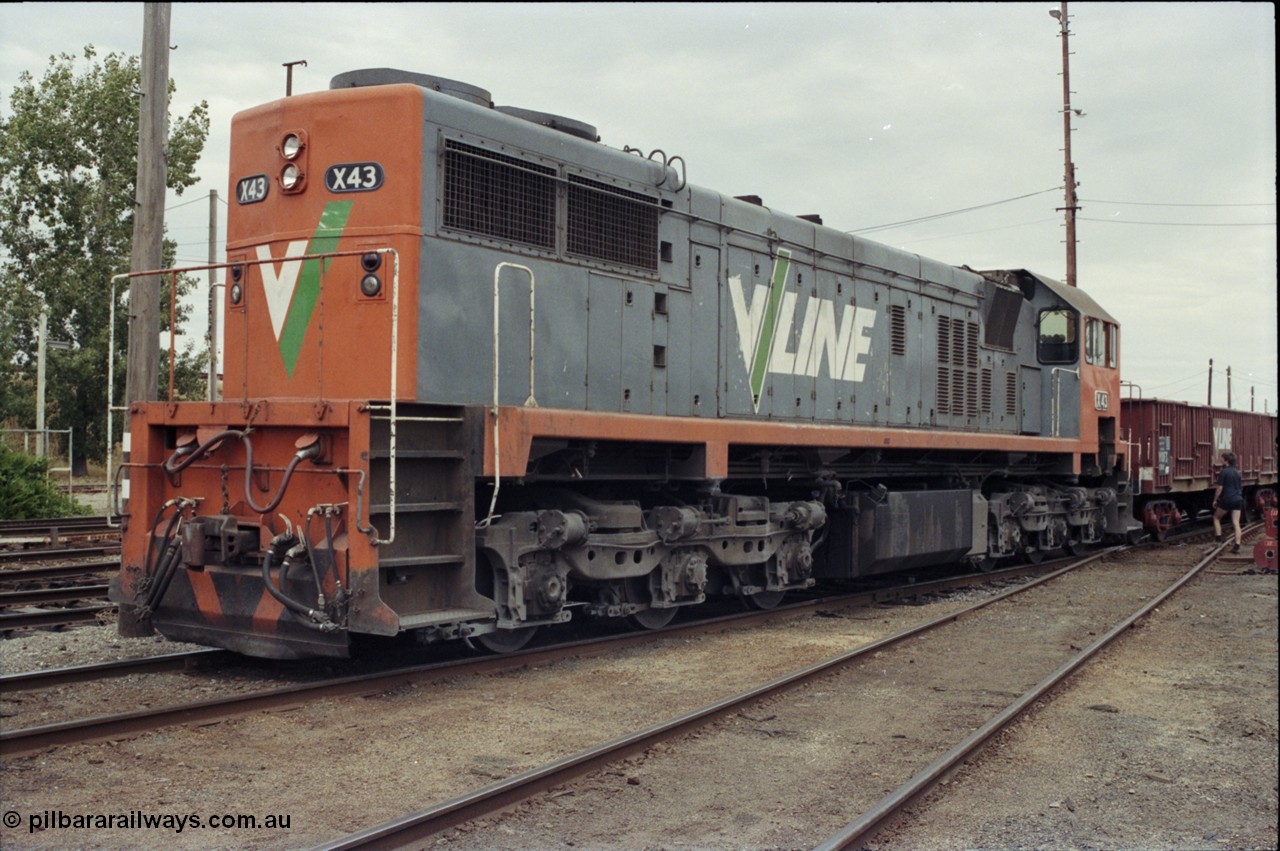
(184, 661)
(413, 828)
(54, 523)
(52, 617)
(42, 596)
(895, 801)
(59, 571)
(41, 554)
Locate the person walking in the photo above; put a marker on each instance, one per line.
(1228, 497)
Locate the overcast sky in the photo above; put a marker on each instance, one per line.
(869, 114)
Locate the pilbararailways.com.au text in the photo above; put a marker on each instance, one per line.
(140, 820)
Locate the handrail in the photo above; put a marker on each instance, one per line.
(529, 402)
(391, 407)
(174, 272)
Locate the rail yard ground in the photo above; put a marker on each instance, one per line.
(1169, 740)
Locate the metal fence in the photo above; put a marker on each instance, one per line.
(56, 444)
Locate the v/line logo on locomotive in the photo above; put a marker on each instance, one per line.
(292, 290)
(767, 324)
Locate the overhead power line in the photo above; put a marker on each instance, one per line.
(1183, 224)
(889, 225)
(183, 204)
(1156, 204)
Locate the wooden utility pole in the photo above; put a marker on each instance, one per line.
(1069, 177)
(148, 213)
(213, 297)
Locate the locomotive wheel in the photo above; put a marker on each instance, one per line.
(986, 564)
(651, 618)
(1033, 556)
(502, 641)
(636, 590)
(764, 601)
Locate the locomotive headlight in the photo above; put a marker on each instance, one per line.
(371, 262)
(236, 293)
(291, 146)
(290, 176)
(370, 285)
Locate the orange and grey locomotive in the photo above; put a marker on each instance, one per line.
(484, 373)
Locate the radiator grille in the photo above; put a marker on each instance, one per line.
(612, 224)
(499, 196)
(962, 389)
(944, 358)
(1011, 395)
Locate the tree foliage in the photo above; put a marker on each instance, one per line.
(26, 492)
(68, 169)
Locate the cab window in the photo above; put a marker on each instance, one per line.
(1101, 342)
(1058, 342)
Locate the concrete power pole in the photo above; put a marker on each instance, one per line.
(148, 214)
(41, 349)
(1210, 401)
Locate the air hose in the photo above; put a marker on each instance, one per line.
(281, 549)
(184, 457)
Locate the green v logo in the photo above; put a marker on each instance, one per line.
(764, 343)
(293, 288)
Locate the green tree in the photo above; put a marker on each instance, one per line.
(26, 492)
(68, 167)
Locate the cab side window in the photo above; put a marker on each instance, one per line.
(1058, 342)
(1101, 343)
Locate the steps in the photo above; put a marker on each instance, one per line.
(427, 573)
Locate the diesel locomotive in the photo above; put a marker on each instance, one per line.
(484, 374)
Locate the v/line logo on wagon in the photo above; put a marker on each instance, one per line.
(292, 287)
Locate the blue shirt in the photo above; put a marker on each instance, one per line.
(1229, 481)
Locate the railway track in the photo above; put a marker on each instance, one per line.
(208, 659)
(8, 557)
(766, 701)
(37, 597)
(56, 531)
(76, 730)
(417, 696)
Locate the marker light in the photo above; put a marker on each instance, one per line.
(370, 285)
(236, 293)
